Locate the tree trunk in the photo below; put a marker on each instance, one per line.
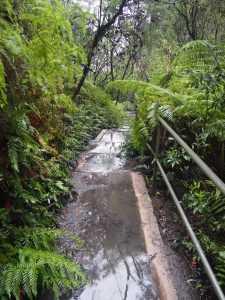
(101, 31)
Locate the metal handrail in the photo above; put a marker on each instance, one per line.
(210, 174)
(203, 166)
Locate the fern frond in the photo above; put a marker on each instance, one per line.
(147, 90)
(3, 99)
(52, 270)
(42, 238)
(155, 111)
(14, 144)
(200, 56)
(65, 101)
(166, 112)
(128, 86)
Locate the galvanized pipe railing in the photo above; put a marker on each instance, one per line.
(210, 174)
(156, 157)
(203, 166)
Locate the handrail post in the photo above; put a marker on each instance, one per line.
(155, 158)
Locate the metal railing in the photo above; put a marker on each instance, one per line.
(209, 173)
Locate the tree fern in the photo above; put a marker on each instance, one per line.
(128, 85)
(200, 56)
(47, 58)
(137, 87)
(155, 111)
(139, 135)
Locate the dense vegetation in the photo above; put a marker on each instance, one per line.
(42, 130)
(189, 94)
(55, 62)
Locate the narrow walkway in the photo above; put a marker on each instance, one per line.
(107, 218)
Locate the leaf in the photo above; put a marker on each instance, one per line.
(61, 186)
(3, 99)
(14, 144)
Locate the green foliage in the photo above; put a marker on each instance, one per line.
(2, 85)
(175, 157)
(112, 112)
(31, 259)
(139, 135)
(63, 101)
(35, 266)
(208, 204)
(220, 267)
(50, 59)
(128, 85)
(41, 131)
(214, 249)
(152, 102)
(191, 98)
(200, 56)
(41, 238)
(13, 147)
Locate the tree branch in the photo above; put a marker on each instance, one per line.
(101, 31)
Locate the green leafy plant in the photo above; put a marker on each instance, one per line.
(39, 267)
(42, 130)
(190, 97)
(32, 260)
(209, 203)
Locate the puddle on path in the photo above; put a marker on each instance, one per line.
(106, 217)
(114, 257)
(106, 156)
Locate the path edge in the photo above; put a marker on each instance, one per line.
(153, 240)
(100, 135)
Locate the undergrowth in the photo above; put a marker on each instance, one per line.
(191, 99)
(42, 131)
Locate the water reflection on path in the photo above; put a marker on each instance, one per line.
(107, 219)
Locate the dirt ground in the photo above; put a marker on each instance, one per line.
(187, 273)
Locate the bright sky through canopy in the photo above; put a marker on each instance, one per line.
(88, 5)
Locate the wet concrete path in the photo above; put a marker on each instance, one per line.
(106, 217)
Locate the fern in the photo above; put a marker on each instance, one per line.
(65, 102)
(34, 261)
(221, 267)
(128, 85)
(39, 65)
(42, 238)
(13, 149)
(143, 89)
(139, 135)
(200, 56)
(48, 58)
(6, 6)
(3, 99)
(35, 266)
(166, 112)
(154, 111)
